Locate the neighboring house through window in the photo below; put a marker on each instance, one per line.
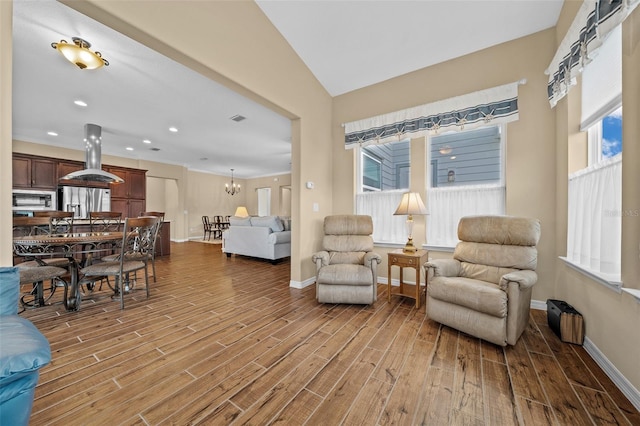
(384, 177)
(466, 178)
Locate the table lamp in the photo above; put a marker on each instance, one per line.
(410, 204)
(241, 211)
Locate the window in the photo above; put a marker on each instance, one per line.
(385, 171)
(594, 216)
(605, 137)
(386, 166)
(466, 178)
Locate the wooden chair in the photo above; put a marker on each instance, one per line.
(138, 244)
(105, 221)
(160, 216)
(61, 222)
(208, 227)
(36, 272)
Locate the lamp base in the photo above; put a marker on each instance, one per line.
(409, 247)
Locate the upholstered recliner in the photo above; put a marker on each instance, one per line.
(485, 290)
(347, 267)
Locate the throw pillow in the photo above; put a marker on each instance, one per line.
(268, 222)
(239, 221)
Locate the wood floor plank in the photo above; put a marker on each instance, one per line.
(227, 341)
(566, 405)
(499, 400)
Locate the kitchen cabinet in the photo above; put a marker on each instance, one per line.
(32, 172)
(129, 197)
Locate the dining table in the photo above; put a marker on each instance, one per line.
(79, 247)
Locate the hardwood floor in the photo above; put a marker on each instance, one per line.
(226, 341)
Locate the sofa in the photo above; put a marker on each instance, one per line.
(23, 351)
(265, 237)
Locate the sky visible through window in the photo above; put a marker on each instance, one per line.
(612, 134)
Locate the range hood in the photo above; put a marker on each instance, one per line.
(93, 161)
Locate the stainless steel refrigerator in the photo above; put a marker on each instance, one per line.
(82, 200)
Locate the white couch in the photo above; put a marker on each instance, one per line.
(264, 237)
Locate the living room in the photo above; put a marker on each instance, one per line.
(537, 147)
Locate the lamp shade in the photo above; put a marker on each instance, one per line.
(241, 211)
(79, 53)
(411, 204)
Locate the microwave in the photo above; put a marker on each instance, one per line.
(31, 200)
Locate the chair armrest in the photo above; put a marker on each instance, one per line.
(370, 257)
(321, 259)
(525, 279)
(443, 267)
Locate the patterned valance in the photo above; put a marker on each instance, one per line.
(491, 106)
(593, 22)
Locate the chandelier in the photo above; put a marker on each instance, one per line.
(79, 54)
(232, 188)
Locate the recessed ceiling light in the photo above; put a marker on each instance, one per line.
(80, 103)
(453, 157)
(129, 148)
(146, 141)
(173, 129)
(52, 133)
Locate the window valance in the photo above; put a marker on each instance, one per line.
(491, 106)
(592, 24)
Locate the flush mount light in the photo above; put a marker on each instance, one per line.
(80, 103)
(79, 54)
(173, 129)
(52, 133)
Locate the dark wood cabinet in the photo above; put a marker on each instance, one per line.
(31, 172)
(129, 197)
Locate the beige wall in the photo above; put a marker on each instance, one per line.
(275, 183)
(6, 26)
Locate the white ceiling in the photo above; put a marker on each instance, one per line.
(346, 44)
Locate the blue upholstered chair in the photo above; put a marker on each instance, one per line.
(23, 351)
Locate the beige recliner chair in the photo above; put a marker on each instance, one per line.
(485, 290)
(347, 267)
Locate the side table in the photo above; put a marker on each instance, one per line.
(406, 260)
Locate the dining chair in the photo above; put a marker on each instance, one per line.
(138, 242)
(105, 221)
(61, 222)
(160, 216)
(208, 227)
(102, 222)
(36, 272)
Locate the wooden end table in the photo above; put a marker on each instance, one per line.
(406, 260)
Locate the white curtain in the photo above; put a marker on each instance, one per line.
(381, 205)
(447, 205)
(595, 217)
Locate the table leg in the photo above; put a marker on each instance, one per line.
(72, 295)
(418, 287)
(389, 282)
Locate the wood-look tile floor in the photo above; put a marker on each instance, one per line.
(227, 341)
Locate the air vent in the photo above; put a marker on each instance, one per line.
(238, 118)
(154, 149)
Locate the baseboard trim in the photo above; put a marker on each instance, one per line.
(614, 374)
(302, 284)
(621, 382)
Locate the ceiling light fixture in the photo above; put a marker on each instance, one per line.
(79, 53)
(80, 103)
(233, 188)
(52, 133)
(129, 148)
(146, 141)
(173, 129)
